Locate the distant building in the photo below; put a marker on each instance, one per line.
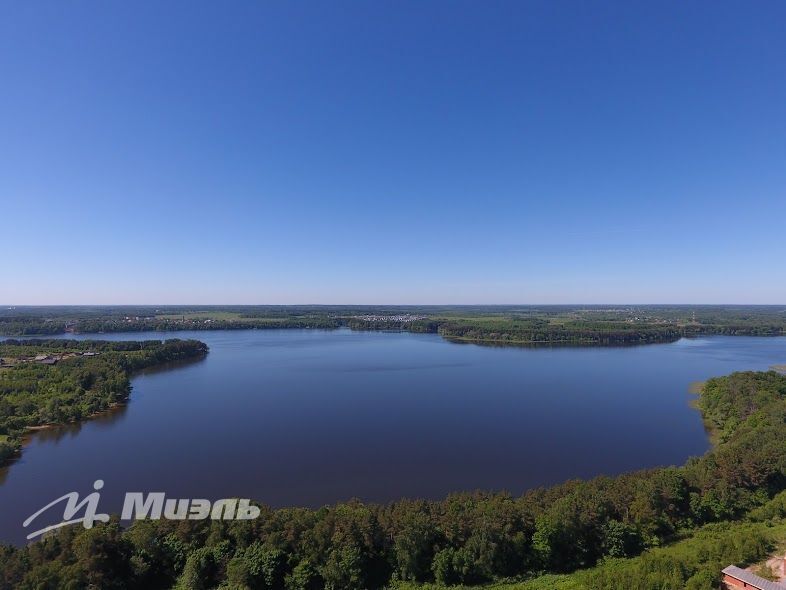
(44, 359)
(49, 361)
(735, 577)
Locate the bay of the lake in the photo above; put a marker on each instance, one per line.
(308, 417)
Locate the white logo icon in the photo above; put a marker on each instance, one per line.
(72, 507)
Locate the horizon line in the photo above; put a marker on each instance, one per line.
(606, 304)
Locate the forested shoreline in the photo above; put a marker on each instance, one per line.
(467, 538)
(51, 382)
(506, 325)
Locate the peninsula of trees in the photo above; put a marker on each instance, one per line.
(50, 382)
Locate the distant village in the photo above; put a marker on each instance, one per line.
(403, 318)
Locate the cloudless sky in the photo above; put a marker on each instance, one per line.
(392, 152)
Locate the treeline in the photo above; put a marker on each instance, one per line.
(467, 538)
(31, 326)
(516, 330)
(692, 563)
(538, 331)
(99, 325)
(33, 394)
(737, 329)
(420, 326)
(597, 325)
(108, 325)
(496, 330)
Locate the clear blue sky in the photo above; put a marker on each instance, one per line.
(392, 152)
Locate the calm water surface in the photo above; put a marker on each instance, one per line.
(303, 417)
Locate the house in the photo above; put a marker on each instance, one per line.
(44, 359)
(735, 577)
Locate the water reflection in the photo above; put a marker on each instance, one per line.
(171, 366)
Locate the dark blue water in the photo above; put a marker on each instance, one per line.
(303, 417)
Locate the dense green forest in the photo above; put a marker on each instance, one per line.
(87, 377)
(692, 563)
(470, 538)
(586, 325)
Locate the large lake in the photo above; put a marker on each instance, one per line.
(304, 417)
